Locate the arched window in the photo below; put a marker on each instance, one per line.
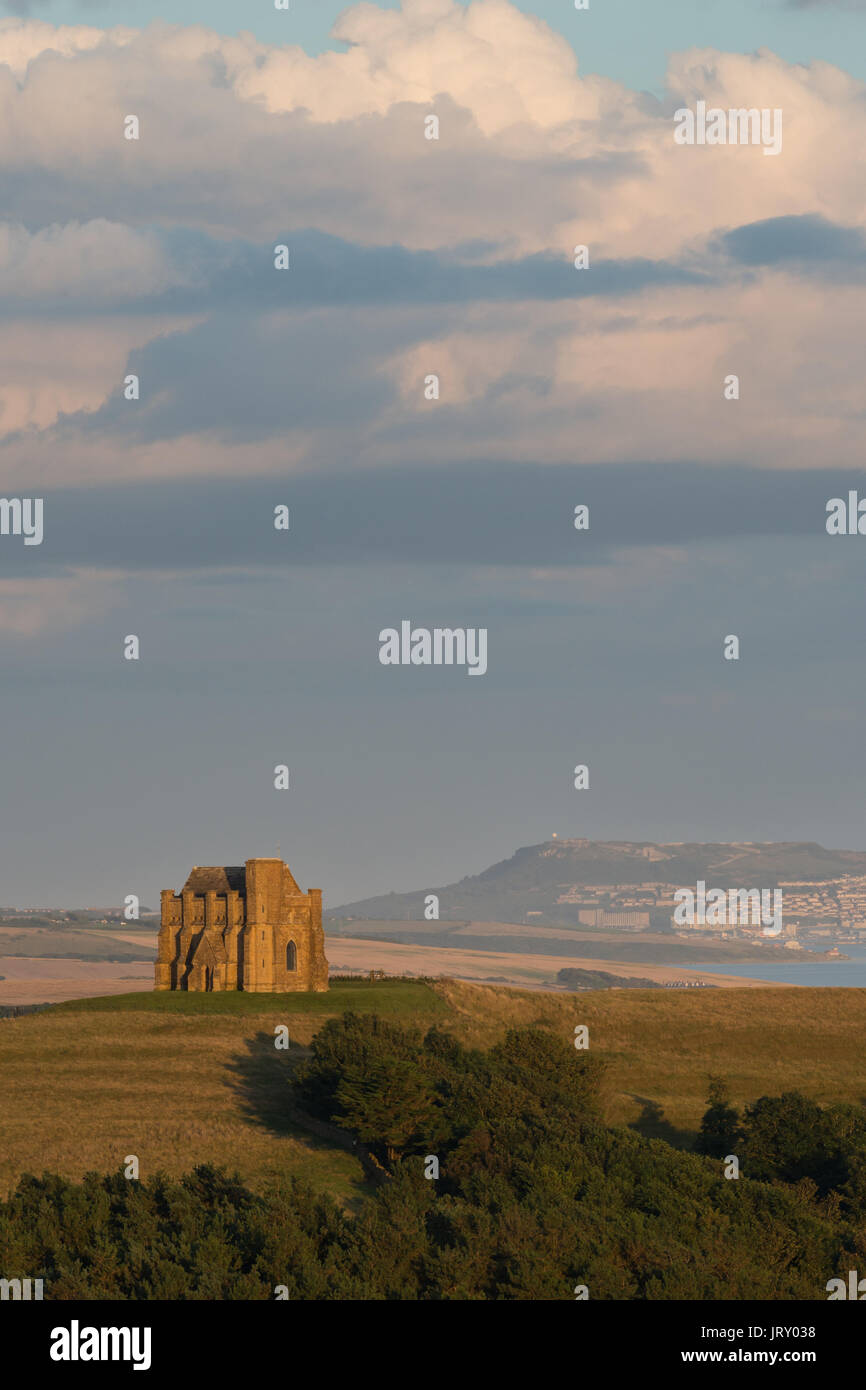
(291, 956)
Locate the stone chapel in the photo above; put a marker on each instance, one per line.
(247, 928)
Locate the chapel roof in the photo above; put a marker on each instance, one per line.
(218, 879)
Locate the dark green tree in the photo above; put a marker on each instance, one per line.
(388, 1103)
(721, 1130)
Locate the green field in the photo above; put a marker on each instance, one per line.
(390, 998)
(181, 1079)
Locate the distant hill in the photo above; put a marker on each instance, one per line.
(67, 943)
(533, 878)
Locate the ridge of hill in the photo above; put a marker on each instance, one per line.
(537, 875)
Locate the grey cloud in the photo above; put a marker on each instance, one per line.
(462, 513)
(810, 243)
(326, 270)
(249, 377)
(243, 379)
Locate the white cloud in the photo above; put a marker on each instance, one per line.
(97, 260)
(240, 138)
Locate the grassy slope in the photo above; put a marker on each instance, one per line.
(176, 1079)
(663, 1044)
(180, 1079)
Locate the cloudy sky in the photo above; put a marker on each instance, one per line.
(306, 387)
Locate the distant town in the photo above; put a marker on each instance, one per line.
(812, 912)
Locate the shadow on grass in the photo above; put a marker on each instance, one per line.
(651, 1124)
(262, 1080)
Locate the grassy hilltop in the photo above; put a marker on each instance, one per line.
(181, 1079)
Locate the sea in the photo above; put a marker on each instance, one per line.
(843, 974)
